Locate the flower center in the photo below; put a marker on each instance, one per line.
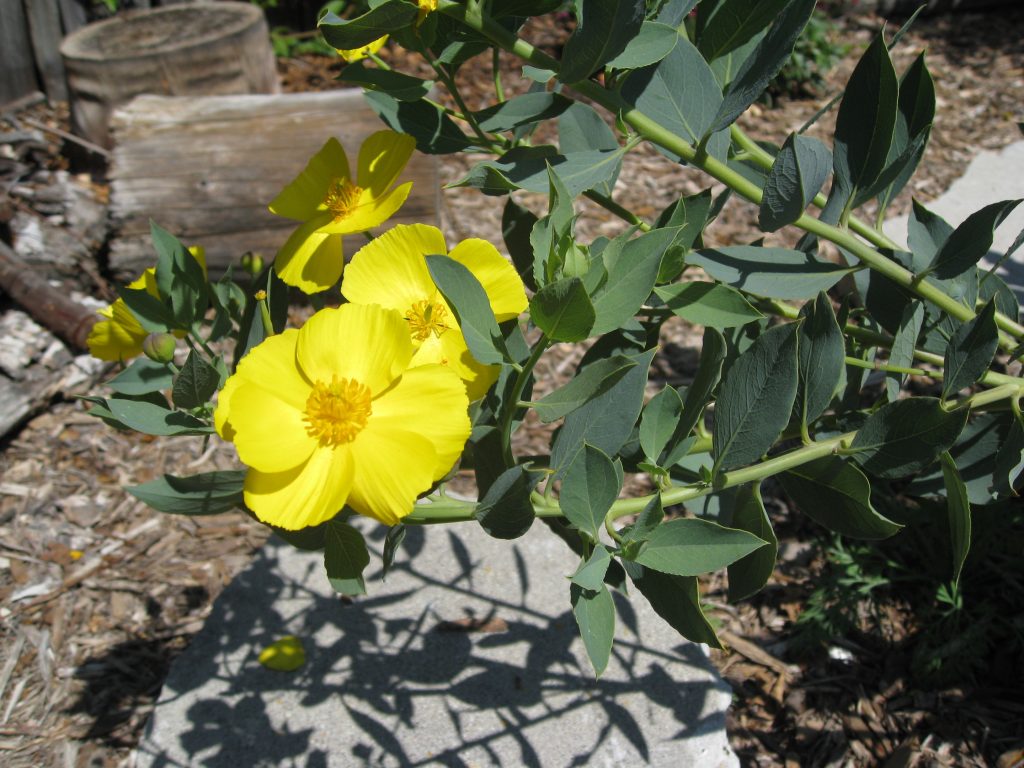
(342, 196)
(337, 412)
(425, 318)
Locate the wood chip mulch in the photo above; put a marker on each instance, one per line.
(98, 594)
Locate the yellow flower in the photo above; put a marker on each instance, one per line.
(334, 414)
(357, 54)
(391, 271)
(119, 336)
(426, 6)
(330, 204)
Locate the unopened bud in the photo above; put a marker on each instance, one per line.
(252, 263)
(160, 347)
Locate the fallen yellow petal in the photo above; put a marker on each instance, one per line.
(284, 655)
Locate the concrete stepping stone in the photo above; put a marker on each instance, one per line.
(400, 678)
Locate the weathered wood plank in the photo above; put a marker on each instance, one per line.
(45, 29)
(17, 72)
(206, 168)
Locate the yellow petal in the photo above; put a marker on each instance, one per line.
(381, 159)
(361, 342)
(284, 655)
(391, 271)
(371, 213)
(498, 277)
(118, 337)
(357, 54)
(311, 260)
(392, 468)
(304, 496)
(272, 365)
(269, 433)
(431, 401)
(302, 198)
(222, 413)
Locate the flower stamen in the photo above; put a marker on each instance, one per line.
(427, 317)
(342, 196)
(337, 412)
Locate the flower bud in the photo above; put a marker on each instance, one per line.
(252, 263)
(159, 347)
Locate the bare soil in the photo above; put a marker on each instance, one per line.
(98, 594)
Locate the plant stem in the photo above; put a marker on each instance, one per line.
(511, 405)
(858, 363)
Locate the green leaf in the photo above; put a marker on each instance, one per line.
(866, 120)
(195, 383)
(659, 421)
(1009, 462)
(763, 64)
(776, 273)
(680, 93)
(756, 399)
(434, 131)
(654, 42)
(674, 12)
(970, 351)
(527, 168)
(970, 241)
(689, 214)
(709, 370)
(595, 616)
(822, 354)
(904, 437)
(582, 129)
(153, 419)
(589, 487)
(973, 453)
(835, 494)
(749, 574)
(590, 382)
(646, 522)
(209, 493)
(392, 543)
(797, 174)
(180, 278)
(691, 546)
(472, 308)
(916, 112)
(384, 19)
(631, 274)
(602, 33)
(312, 539)
(677, 600)
(590, 575)
(959, 513)
(151, 313)
(901, 355)
(563, 310)
(395, 84)
(607, 421)
(506, 511)
(516, 225)
(926, 233)
(710, 304)
(522, 110)
(731, 23)
(345, 558)
(142, 376)
(992, 286)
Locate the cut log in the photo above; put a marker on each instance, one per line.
(206, 169)
(207, 48)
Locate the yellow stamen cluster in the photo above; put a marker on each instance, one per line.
(427, 317)
(342, 196)
(337, 412)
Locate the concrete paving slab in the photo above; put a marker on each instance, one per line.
(391, 681)
(990, 178)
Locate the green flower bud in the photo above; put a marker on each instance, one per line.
(159, 347)
(252, 263)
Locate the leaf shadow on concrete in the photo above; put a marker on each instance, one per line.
(459, 658)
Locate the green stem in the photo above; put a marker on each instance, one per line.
(858, 363)
(499, 92)
(512, 403)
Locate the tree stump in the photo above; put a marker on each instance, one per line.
(193, 50)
